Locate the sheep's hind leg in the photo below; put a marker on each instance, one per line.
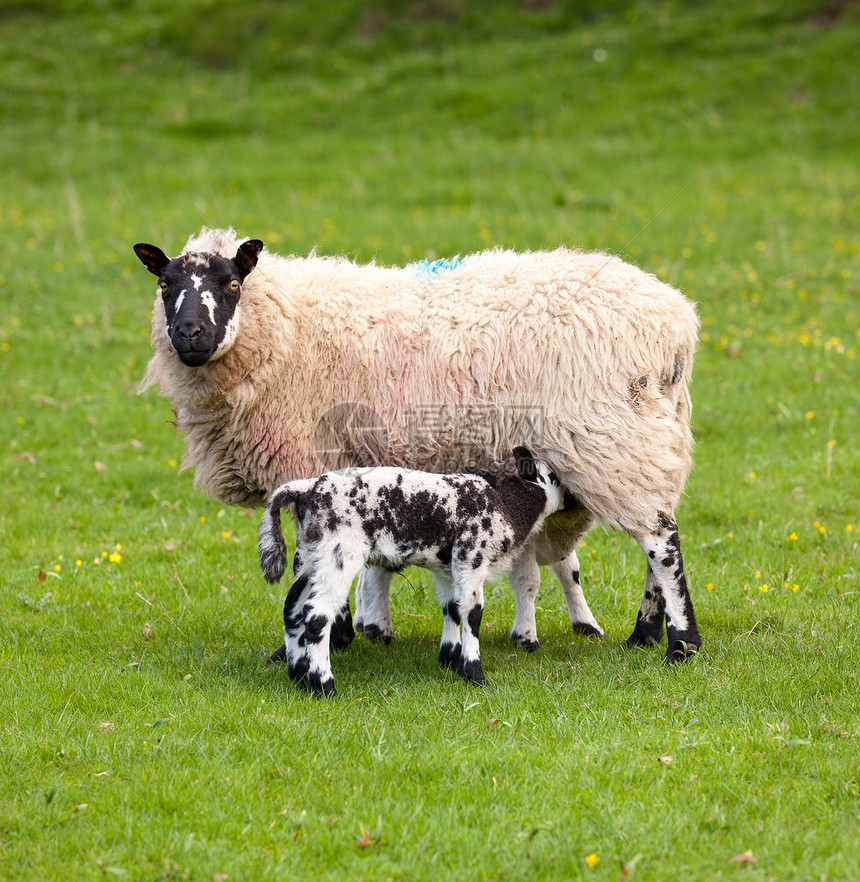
(372, 609)
(525, 581)
(449, 645)
(649, 619)
(668, 582)
(582, 620)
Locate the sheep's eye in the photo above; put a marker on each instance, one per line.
(234, 285)
(162, 287)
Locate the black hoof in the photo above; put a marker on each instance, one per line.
(680, 650)
(449, 655)
(527, 645)
(472, 671)
(279, 655)
(318, 686)
(342, 631)
(586, 630)
(376, 634)
(299, 670)
(646, 633)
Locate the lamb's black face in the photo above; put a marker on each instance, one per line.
(201, 295)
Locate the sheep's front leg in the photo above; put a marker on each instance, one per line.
(666, 568)
(470, 592)
(372, 609)
(525, 581)
(449, 646)
(581, 619)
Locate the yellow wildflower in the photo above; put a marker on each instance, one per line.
(592, 859)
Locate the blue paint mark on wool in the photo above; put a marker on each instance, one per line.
(423, 267)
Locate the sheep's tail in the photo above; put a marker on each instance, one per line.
(271, 545)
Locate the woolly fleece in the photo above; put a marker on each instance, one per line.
(581, 357)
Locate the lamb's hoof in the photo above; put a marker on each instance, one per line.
(449, 655)
(320, 686)
(376, 634)
(527, 643)
(298, 671)
(279, 655)
(587, 630)
(471, 671)
(342, 631)
(680, 650)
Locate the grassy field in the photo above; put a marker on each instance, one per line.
(714, 144)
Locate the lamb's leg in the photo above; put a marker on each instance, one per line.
(581, 619)
(525, 581)
(649, 620)
(326, 593)
(470, 591)
(294, 644)
(667, 579)
(372, 610)
(555, 545)
(342, 631)
(280, 654)
(449, 646)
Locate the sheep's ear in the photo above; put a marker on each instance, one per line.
(246, 256)
(526, 467)
(152, 257)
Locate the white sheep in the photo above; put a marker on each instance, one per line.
(464, 528)
(302, 365)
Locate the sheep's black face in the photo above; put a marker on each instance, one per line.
(201, 294)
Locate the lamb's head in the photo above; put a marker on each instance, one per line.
(201, 293)
(537, 472)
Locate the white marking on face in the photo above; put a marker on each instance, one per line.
(229, 335)
(179, 300)
(197, 281)
(209, 303)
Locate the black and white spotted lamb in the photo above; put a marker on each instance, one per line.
(465, 528)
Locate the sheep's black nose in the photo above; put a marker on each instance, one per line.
(189, 331)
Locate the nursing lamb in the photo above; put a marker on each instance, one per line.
(464, 528)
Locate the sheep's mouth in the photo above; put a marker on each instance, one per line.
(194, 357)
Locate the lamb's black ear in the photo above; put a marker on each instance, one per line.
(526, 467)
(152, 257)
(246, 257)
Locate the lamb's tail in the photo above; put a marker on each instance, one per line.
(271, 545)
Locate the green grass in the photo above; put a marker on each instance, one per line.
(141, 736)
